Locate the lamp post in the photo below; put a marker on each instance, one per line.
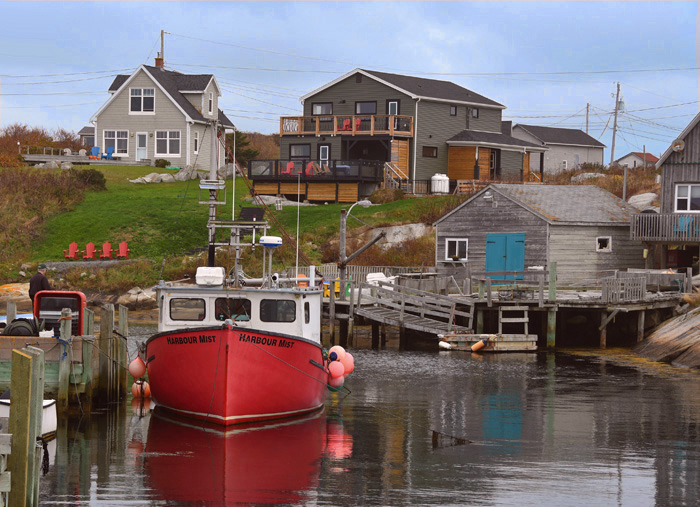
(342, 267)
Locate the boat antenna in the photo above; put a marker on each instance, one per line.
(298, 205)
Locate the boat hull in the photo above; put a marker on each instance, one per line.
(228, 375)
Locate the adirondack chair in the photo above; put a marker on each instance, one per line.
(94, 153)
(347, 125)
(89, 252)
(106, 251)
(123, 250)
(108, 155)
(289, 170)
(72, 252)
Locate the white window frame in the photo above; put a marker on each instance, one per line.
(603, 250)
(564, 165)
(142, 112)
(167, 144)
(689, 186)
(116, 137)
(396, 103)
(196, 143)
(211, 103)
(458, 240)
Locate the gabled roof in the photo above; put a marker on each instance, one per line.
(479, 137)
(225, 122)
(557, 135)
(86, 131)
(562, 204)
(683, 134)
(419, 87)
(641, 155)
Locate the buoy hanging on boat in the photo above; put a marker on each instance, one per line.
(141, 406)
(335, 383)
(137, 368)
(141, 389)
(348, 363)
(336, 369)
(479, 345)
(336, 353)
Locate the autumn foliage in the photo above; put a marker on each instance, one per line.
(32, 136)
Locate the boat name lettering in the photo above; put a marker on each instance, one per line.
(184, 340)
(262, 340)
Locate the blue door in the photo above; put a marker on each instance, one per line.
(505, 252)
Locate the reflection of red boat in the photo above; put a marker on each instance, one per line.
(272, 462)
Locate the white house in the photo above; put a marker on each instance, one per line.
(568, 148)
(160, 114)
(636, 159)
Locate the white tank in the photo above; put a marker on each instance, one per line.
(439, 184)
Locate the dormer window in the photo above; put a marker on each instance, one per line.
(211, 103)
(142, 100)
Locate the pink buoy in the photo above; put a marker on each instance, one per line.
(137, 368)
(348, 363)
(338, 351)
(336, 382)
(141, 389)
(336, 369)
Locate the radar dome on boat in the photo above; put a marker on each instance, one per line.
(271, 241)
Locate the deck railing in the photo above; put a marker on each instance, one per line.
(309, 169)
(372, 125)
(667, 227)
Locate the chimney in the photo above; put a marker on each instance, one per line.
(159, 61)
(507, 128)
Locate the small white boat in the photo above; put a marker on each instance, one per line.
(49, 421)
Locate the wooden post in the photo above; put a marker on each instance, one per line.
(64, 361)
(37, 416)
(640, 325)
(540, 293)
(479, 321)
(88, 343)
(343, 328)
(552, 282)
(331, 316)
(106, 327)
(489, 296)
(551, 327)
(604, 330)
(88, 322)
(481, 289)
(351, 318)
(123, 363)
(375, 335)
(689, 281)
(11, 312)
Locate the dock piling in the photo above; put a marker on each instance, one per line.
(11, 311)
(65, 360)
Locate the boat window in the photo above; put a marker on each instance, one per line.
(228, 308)
(187, 309)
(278, 310)
(307, 313)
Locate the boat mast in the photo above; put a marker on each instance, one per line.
(212, 192)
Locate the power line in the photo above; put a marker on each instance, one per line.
(59, 82)
(12, 76)
(249, 111)
(263, 102)
(257, 90)
(52, 105)
(51, 93)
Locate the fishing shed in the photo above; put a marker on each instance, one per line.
(515, 227)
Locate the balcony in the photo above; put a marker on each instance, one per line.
(316, 170)
(666, 228)
(365, 125)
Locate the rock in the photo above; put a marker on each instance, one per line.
(66, 166)
(39, 166)
(167, 178)
(202, 175)
(25, 267)
(152, 178)
(586, 176)
(226, 171)
(137, 298)
(643, 201)
(186, 173)
(22, 273)
(398, 234)
(51, 165)
(138, 181)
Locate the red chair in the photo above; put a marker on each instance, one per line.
(289, 170)
(347, 124)
(123, 251)
(89, 252)
(309, 168)
(72, 252)
(106, 251)
(357, 124)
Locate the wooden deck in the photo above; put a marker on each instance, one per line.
(665, 228)
(78, 160)
(336, 125)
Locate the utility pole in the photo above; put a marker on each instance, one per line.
(162, 46)
(617, 105)
(587, 106)
(644, 148)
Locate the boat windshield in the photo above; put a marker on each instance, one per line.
(228, 308)
(278, 310)
(187, 309)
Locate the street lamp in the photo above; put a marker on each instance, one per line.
(343, 255)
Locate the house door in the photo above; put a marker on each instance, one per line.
(324, 153)
(505, 252)
(141, 146)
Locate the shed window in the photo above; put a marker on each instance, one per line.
(234, 309)
(142, 100)
(456, 249)
(475, 112)
(688, 198)
(299, 151)
(278, 310)
(365, 108)
(322, 108)
(603, 244)
(187, 309)
(430, 151)
(453, 110)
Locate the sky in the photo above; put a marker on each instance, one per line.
(543, 60)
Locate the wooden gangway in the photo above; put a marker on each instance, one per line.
(413, 309)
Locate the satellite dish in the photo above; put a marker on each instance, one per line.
(678, 145)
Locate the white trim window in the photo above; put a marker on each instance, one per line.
(168, 143)
(142, 100)
(603, 244)
(117, 139)
(687, 198)
(456, 249)
(196, 143)
(211, 103)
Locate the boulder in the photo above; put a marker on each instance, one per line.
(137, 298)
(66, 166)
(186, 173)
(51, 165)
(138, 180)
(643, 201)
(167, 178)
(586, 176)
(22, 274)
(226, 171)
(25, 267)
(39, 166)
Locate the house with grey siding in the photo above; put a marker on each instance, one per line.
(160, 114)
(568, 148)
(420, 126)
(87, 136)
(672, 236)
(515, 227)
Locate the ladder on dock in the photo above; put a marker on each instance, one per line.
(413, 309)
(524, 319)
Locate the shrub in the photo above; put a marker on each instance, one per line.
(385, 195)
(161, 162)
(90, 178)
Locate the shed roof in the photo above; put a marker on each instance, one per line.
(86, 131)
(641, 155)
(562, 204)
(682, 136)
(558, 135)
(491, 138)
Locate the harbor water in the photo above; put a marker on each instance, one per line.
(572, 427)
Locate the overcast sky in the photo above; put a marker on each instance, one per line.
(544, 57)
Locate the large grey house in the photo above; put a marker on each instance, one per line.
(421, 126)
(568, 148)
(160, 114)
(506, 227)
